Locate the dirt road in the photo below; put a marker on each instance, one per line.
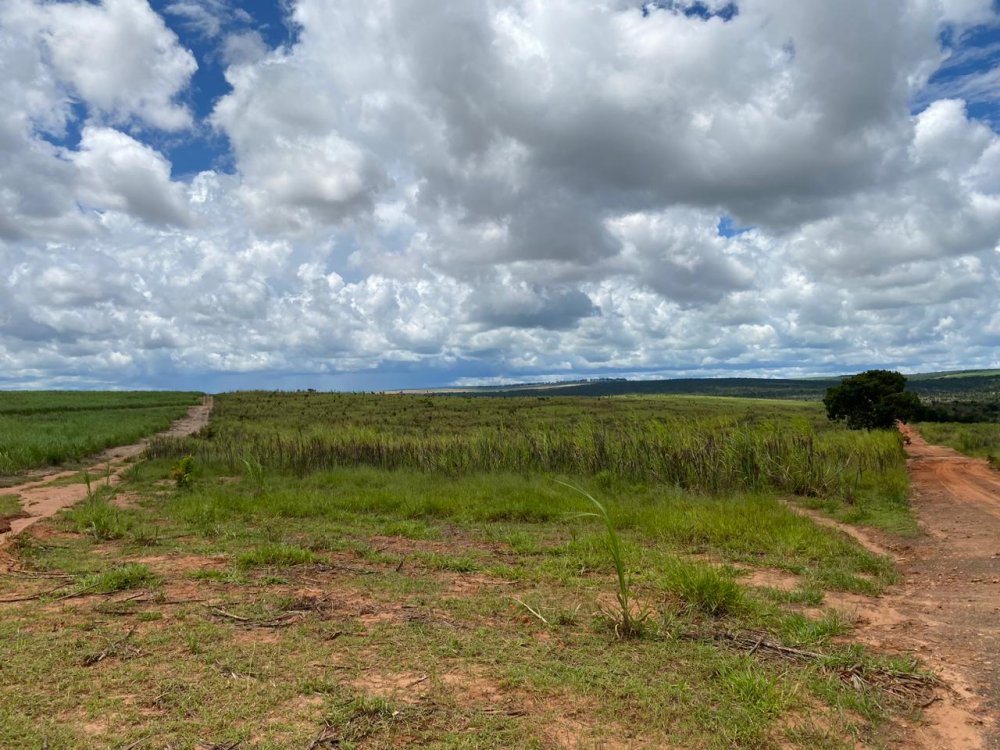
(947, 609)
(41, 499)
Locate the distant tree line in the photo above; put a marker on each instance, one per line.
(959, 411)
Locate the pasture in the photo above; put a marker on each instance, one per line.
(374, 571)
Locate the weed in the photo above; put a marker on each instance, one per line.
(454, 563)
(363, 717)
(145, 536)
(98, 518)
(627, 624)
(253, 473)
(183, 472)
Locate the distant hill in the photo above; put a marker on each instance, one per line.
(976, 385)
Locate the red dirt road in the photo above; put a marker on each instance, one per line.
(39, 499)
(948, 607)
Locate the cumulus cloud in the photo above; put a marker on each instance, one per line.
(482, 189)
(121, 59)
(119, 172)
(63, 83)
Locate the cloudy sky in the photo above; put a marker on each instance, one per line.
(387, 193)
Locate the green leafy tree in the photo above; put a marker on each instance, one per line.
(872, 400)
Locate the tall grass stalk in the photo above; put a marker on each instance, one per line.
(627, 624)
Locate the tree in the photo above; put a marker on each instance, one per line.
(872, 400)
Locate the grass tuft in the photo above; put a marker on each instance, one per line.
(704, 588)
(121, 578)
(99, 519)
(276, 554)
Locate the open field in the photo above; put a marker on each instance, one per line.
(706, 445)
(981, 440)
(438, 598)
(44, 428)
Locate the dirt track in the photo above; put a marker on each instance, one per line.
(40, 499)
(947, 609)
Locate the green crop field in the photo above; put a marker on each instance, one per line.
(42, 428)
(375, 571)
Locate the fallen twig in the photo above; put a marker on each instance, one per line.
(110, 650)
(230, 615)
(277, 622)
(348, 568)
(531, 609)
(80, 592)
(327, 735)
(37, 574)
(908, 685)
(33, 596)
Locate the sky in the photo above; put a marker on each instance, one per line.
(379, 194)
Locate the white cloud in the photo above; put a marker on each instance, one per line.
(499, 188)
(121, 59)
(118, 172)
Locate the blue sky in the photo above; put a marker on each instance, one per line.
(224, 195)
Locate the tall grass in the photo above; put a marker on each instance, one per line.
(710, 451)
(982, 439)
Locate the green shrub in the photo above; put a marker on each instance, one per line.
(183, 472)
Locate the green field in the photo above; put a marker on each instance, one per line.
(387, 571)
(981, 440)
(43, 428)
(698, 444)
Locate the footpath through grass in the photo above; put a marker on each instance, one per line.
(45, 428)
(359, 607)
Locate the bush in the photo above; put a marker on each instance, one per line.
(183, 472)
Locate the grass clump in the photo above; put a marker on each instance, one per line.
(254, 474)
(121, 578)
(98, 518)
(976, 439)
(10, 505)
(704, 588)
(44, 428)
(276, 555)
